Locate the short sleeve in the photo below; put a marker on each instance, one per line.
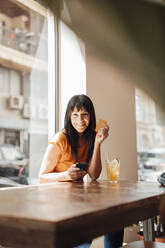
(60, 140)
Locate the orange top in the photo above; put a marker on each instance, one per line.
(67, 158)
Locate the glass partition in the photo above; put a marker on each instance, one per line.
(23, 88)
(150, 137)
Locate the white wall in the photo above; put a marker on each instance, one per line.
(114, 100)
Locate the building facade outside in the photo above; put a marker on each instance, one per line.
(24, 81)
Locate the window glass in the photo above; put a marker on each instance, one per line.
(150, 137)
(72, 68)
(23, 87)
(11, 153)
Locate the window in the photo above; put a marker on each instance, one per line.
(12, 136)
(24, 83)
(72, 68)
(150, 138)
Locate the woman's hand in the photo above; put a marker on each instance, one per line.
(75, 173)
(102, 134)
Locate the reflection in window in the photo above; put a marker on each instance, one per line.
(150, 138)
(23, 85)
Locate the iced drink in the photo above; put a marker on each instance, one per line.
(113, 168)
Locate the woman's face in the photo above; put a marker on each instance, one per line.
(80, 120)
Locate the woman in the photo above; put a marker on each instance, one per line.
(77, 143)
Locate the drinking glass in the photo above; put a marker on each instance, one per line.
(113, 168)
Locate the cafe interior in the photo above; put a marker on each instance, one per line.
(119, 47)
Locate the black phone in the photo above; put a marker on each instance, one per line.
(82, 166)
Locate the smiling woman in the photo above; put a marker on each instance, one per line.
(76, 143)
(80, 120)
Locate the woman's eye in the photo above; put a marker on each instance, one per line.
(84, 115)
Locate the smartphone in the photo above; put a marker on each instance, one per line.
(82, 166)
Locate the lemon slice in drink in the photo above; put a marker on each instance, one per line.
(115, 162)
(117, 159)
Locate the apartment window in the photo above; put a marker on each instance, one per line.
(25, 81)
(150, 137)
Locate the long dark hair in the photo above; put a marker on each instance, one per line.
(80, 101)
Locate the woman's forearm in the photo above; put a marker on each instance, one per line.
(95, 165)
(55, 177)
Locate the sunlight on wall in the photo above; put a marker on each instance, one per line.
(72, 69)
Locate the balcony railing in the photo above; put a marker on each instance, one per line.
(19, 39)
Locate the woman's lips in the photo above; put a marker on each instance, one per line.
(81, 127)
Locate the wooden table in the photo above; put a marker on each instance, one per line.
(64, 214)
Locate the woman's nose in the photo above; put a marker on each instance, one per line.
(80, 117)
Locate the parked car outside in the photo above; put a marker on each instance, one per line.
(156, 164)
(151, 164)
(13, 164)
